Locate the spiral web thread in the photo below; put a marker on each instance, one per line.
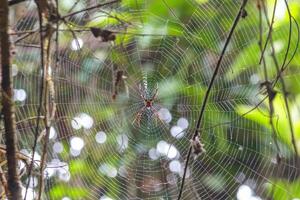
(100, 135)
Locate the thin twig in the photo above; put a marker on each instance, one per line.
(57, 34)
(284, 89)
(268, 85)
(25, 36)
(115, 17)
(90, 8)
(45, 9)
(196, 134)
(39, 109)
(28, 45)
(297, 42)
(279, 75)
(23, 32)
(270, 32)
(44, 18)
(14, 2)
(72, 8)
(283, 67)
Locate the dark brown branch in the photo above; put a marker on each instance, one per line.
(268, 85)
(284, 89)
(8, 108)
(297, 43)
(196, 134)
(72, 8)
(57, 34)
(29, 45)
(45, 11)
(90, 8)
(14, 2)
(24, 36)
(270, 32)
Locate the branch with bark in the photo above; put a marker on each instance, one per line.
(46, 104)
(8, 107)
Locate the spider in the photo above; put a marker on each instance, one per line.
(148, 104)
(198, 147)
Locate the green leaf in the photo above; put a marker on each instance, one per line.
(61, 190)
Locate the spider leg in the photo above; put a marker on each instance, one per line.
(138, 116)
(142, 92)
(155, 93)
(155, 112)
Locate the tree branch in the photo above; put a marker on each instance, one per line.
(196, 134)
(268, 85)
(14, 2)
(8, 108)
(270, 32)
(45, 9)
(279, 75)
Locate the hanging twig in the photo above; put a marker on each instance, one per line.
(45, 11)
(196, 134)
(270, 32)
(280, 78)
(271, 93)
(8, 108)
(268, 85)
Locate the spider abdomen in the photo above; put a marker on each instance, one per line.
(148, 103)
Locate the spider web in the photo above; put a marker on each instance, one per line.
(97, 149)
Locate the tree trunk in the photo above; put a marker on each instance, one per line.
(8, 109)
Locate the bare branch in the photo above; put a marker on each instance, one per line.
(14, 2)
(90, 8)
(45, 11)
(270, 32)
(8, 107)
(279, 75)
(268, 85)
(196, 134)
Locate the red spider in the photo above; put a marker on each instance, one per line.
(148, 104)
